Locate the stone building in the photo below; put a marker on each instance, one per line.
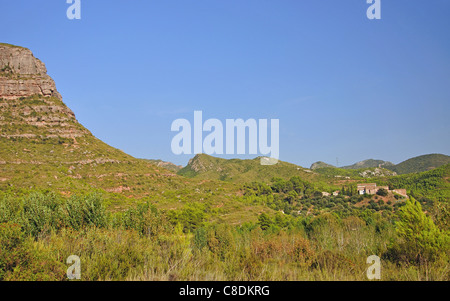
(369, 188)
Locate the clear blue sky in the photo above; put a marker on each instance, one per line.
(341, 85)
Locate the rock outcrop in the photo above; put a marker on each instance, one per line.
(30, 105)
(23, 75)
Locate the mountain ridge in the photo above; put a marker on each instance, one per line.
(411, 165)
(241, 170)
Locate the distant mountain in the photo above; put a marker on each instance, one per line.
(413, 165)
(369, 163)
(320, 164)
(420, 163)
(241, 171)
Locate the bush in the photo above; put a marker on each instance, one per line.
(12, 253)
(382, 192)
(19, 262)
(79, 212)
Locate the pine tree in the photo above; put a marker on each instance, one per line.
(422, 240)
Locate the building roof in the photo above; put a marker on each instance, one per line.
(367, 186)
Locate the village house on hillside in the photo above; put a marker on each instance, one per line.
(369, 188)
(372, 188)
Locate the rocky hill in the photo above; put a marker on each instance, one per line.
(42, 145)
(242, 171)
(369, 163)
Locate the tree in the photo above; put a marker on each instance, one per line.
(382, 192)
(421, 239)
(291, 196)
(278, 184)
(264, 221)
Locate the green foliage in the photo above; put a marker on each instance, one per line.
(190, 218)
(200, 239)
(11, 251)
(264, 221)
(421, 163)
(39, 213)
(79, 212)
(203, 166)
(421, 239)
(431, 184)
(20, 261)
(382, 192)
(143, 243)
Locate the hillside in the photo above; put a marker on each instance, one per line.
(429, 185)
(320, 164)
(355, 173)
(421, 163)
(242, 171)
(369, 163)
(43, 147)
(167, 165)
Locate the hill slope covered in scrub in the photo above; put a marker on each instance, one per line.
(421, 163)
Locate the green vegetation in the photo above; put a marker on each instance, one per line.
(420, 239)
(241, 171)
(421, 163)
(369, 164)
(144, 243)
(413, 165)
(10, 45)
(427, 186)
(296, 197)
(64, 192)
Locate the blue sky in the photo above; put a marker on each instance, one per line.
(342, 86)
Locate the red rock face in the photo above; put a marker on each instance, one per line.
(23, 75)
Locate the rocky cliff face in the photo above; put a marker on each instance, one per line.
(23, 75)
(30, 105)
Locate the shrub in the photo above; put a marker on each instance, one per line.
(382, 192)
(84, 211)
(20, 262)
(12, 252)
